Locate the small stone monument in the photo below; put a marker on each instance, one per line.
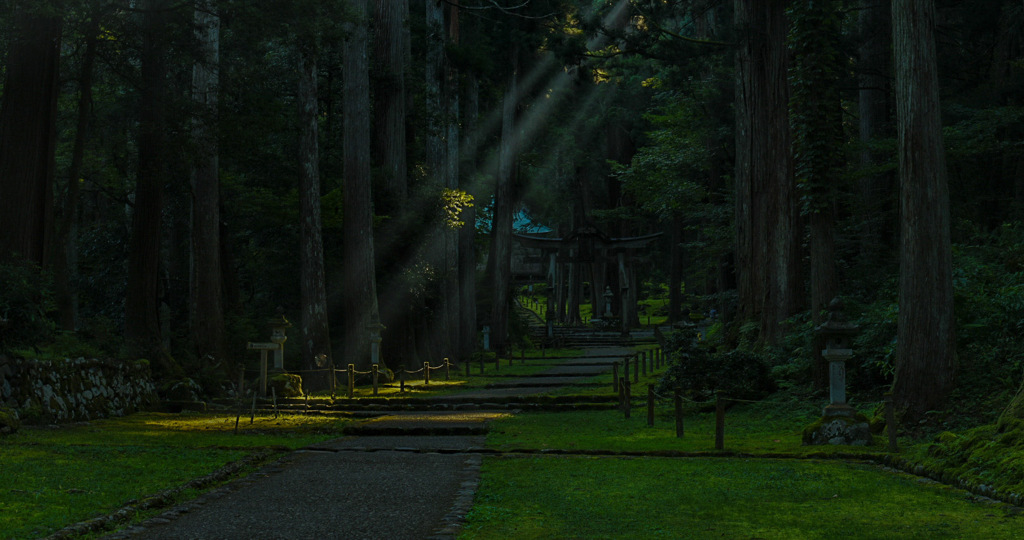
(608, 295)
(375, 329)
(278, 325)
(840, 423)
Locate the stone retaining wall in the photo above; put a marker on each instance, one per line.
(48, 391)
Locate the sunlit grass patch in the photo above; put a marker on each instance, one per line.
(580, 497)
(52, 477)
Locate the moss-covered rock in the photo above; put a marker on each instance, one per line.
(9, 422)
(181, 390)
(836, 430)
(286, 384)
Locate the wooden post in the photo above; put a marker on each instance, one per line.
(273, 392)
(636, 369)
(650, 405)
(426, 373)
(351, 379)
(447, 370)
(334, 374)
(890, 423)
(252, 411)
(615, 377)
(643, 363)
(375, 369)
(622, 395)
(510, 355)
(629, 397)
(719, 421)
(401, 381)
(263, 373)
(678, 403)
(625, 368)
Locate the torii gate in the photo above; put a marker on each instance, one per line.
(588, 245)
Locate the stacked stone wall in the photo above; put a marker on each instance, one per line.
(54, 391)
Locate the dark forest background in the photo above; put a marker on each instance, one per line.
(173, 171)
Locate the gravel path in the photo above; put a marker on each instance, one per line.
(393, 481)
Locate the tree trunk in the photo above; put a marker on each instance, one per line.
(675, 269)
(206, 305)
(501, 242)
(316, 338)
(467, 235)
(28, 129)
(441, 102)
(766, 228)
(451, 234)
(389, 104)
(143, 292)
(391, 192)
(877, 210)
(926, 361)
(66, 240)
(360, 286)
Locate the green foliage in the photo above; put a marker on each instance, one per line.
(25, 300)
(453, 203)
(815, 109)
(9, 422)
(698, 373)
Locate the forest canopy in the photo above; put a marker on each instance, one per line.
(172, 172)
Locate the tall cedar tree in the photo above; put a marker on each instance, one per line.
(316, 338)
(360, 282)
(142, 296)
(501, 234)
(390, 192)
(436, 89)
(926, 341)
(66, 234)
(206, 298)
(766, 225)
(28, 131)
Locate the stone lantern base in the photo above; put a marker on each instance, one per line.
(850, 429)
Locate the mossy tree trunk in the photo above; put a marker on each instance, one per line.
(926, 363)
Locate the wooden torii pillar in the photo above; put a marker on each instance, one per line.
(589, 245)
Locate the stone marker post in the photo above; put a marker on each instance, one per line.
(375, 329)
(487, 338)
(278, 325)
(608, 295)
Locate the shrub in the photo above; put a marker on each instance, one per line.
(25, 299)
(698, 373)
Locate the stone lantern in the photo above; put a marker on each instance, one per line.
(278, 325)
(608, 295)
(840, 423)
(837, 333)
